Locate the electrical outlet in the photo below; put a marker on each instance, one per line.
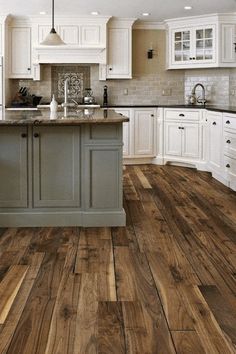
(126, 92)
(166, 92)
(232, 92)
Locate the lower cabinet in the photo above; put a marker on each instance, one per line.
(190, 140)
(173, 139)
(144, 132)
(13, 167)
(126, 131)
(215, 136)
(56, 166)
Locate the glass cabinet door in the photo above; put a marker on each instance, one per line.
(204, 44)
(182, 46)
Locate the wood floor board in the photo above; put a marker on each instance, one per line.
(165, 283)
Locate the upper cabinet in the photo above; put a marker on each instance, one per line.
(201, 42)
(119, 64)
(20, 52)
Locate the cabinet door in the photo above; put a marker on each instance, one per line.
(190, 140)
(20, 52)
(228, 35)
(215, 141)
(173, 139)
(144, 132)
(126, 132)
(13, 167)
(204, 39)
(181, 46)
(56, 161)
(119, 53)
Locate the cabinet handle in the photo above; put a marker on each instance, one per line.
(214, 123)
(228, 141)
(227, 122)
(179, 128)
(228, 165)
(194, 58)
(183, 128)
(190, 58)
(29, 69)
(181, 115)
(24, 135)
(110, 69)
(36, 135)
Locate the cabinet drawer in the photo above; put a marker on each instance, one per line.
(230, 144)
(172, 114)
(230, 165)
(230, 122)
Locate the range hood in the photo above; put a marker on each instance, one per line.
(69, 54)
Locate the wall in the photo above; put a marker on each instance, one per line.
(150, 78)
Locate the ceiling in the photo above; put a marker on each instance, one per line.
(159, 9)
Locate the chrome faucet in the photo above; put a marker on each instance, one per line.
(200, 100)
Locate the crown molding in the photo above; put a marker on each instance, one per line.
(149, 25)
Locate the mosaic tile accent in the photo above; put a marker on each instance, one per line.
(79, 77)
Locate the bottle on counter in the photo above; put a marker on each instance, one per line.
(53, 104)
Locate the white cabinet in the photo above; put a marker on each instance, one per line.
(182, 135)
(120, 49)
(126, 131)
(144, 132)
(20, 52)
(194, 45)
(201, 42)
(228, 39)
(215, 124)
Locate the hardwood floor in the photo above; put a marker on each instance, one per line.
(163, 284)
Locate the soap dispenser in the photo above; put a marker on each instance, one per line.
(53, 104)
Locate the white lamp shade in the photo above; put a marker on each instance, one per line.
(53, 39)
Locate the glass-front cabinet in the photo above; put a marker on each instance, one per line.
(193, 45)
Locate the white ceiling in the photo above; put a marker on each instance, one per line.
(159, 9)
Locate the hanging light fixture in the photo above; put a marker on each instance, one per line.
(53, 37)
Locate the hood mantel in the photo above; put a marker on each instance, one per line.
(85, 38)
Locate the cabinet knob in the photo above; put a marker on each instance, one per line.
(152, 115)
(28, 69)
(228, 141)
(110, 69)
(227, 122)
(214, 123)
(228, 165)
(179, 127)
(194, 58)
(181, 115)
(24, 135)
(36, 135)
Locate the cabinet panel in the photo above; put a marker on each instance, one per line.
(190, 140)
(90, 35)
(215, 141)
(144, 132)
(104, 175)
(204, 44)
(56, 166)
(13, 167)
(119, 56)
(228, 36)
(20, 52)
(173, 139)
(69, 34)
(126, 132)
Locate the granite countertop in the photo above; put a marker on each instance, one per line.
(42, 117)
(217, 108)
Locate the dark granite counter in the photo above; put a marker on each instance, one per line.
(227, 109)
(42, 117)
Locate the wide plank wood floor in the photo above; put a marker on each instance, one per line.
(163, 284)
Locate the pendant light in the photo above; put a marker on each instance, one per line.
(53, 38)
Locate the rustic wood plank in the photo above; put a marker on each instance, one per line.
(86, 334)
(144, 181)
(9, 288)
(8, 329)
(187, 342)
(63, 323)
(111, 337)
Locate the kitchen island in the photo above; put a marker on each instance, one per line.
(62, 171)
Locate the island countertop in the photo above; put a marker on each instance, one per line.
(42, 117)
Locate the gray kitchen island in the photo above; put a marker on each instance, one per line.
(61, 172)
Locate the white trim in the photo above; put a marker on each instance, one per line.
(149, 25)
